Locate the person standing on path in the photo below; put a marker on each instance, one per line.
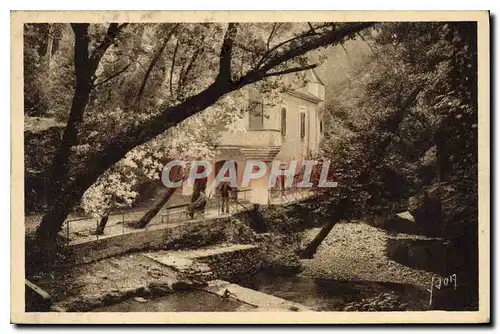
(224, 194)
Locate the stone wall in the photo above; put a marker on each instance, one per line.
(193, 234)
(429, 254)
(228, 262)
(235, 265)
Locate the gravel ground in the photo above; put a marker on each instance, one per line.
(357, 251)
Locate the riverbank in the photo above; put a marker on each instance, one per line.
(351, 271)
(357, 251)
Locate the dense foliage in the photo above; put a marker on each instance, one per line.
(123, 89)
(407, 119)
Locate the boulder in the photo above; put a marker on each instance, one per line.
(162, 286)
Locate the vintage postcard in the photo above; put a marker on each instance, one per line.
(250, 167)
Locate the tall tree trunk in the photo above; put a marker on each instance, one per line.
(47, 230)
(50, 43)
(102, 225)
(63, 194)
(60, 165)
(176, 173)
(58, 202)
(148, 216)
(56, 214)
(59, 192)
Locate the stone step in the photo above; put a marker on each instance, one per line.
(196, 254)
(191, 261)
(258, 299)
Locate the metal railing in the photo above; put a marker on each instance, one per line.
(90, 231)
(165, 216)
(168, 212)
(287, 195)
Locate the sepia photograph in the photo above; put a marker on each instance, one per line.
(223, 167)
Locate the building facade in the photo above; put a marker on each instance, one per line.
(285, 131)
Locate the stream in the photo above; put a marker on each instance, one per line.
(336, 295)
(319, 294)
(189, 301)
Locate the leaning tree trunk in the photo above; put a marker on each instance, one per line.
(148, 216)
(61, 198)
(102, 225)
(311, 249)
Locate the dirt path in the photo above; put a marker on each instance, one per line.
(357, 251)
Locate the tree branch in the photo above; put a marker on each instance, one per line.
(113, 31)
(309, 33)
(312, 28)
(185, 73)
(153, 63)
(271, 35)
(226, 53)
(314, 42)
(291, 70)
(173, 66)
(113, 75)
(328, 38)
(138, 62)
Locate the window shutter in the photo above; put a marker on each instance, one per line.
(256, 115)
(302, 125)
(283, 122)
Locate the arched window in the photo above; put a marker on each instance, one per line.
(283, 122)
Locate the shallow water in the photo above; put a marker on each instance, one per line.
(335, 295)
(319, 294)
(192, 301)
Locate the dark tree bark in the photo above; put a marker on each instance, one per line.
(102, 225)
(176, 174)
(311, 249)
(50, 43)
(148, 216)
(65, 194)
(154, 61)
